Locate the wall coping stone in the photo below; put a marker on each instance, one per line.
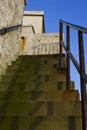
(34, 13)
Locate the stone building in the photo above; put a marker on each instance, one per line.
(36, 40)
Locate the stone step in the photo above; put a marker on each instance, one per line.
(38, 68)
(47, 76)
(41, 123)
(34, 66)
(42, 61)
(33, 96)
(11, 96)
(43, 86)
(34, 71)
(46, 61)
(39, 57)
(24, 64)
(59, 109)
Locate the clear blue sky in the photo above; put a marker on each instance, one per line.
(73, 11)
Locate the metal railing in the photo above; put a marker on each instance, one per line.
(9, 29)
(79, 66)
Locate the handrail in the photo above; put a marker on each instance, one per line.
(9, 29)
(83, 29)
(84, 76)
(79, 66)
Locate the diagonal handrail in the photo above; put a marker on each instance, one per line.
(9, 29)
(76, 27)
(79, 66)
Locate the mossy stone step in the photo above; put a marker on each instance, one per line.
(51, 76)
(11, 96)
(50, 56)
(22, 108)
(41, 123)
(43, 86)
(23, 71)
(35, 59)
(32, 96)
(59, 109)
(37, 70)
(33, 67)
(45, 61)
(28, 60)
(39, 66)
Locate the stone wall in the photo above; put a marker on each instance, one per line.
(41, 43)
(46, 43)
(11, 13)
(27, 32)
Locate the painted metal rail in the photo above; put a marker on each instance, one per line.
(79, 66)
(9, 29)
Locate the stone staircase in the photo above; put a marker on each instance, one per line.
(33, 96)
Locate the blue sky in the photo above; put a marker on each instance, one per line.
(73, 11)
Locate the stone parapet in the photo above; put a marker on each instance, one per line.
(41, 43)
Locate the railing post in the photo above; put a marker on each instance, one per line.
(60, 45)
(68, 59)
(82, 82)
